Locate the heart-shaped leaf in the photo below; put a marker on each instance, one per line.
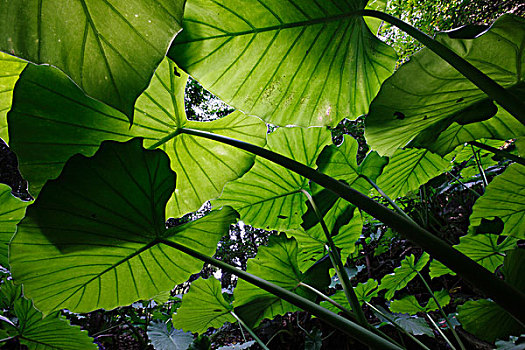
(110, 49)
(10, 69)
(329, 65)
(12, 210)
(164, 339)
(203, 307)
(269, 196)
(504, 198)
(427, 95)
(403, 274)
(97, 228)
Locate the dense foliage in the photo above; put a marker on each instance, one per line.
(160, 216)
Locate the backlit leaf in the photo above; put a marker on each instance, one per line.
(403, 274)
(10, 69)
(410, 305)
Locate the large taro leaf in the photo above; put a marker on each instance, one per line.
(269, 196)
(408, 169)
(276, 263)
(300, 63)
(403, 274)
(10, 69)
(482, 248)
(410, 305)
(312, 242)
(110, 49)
(52, 120)
(486, 319)
(164, 339)
(504, 198)
(90, 240)
(426, 95)
(12, 210)
(203, 307)
(38, 332)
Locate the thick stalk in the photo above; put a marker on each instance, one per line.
(352, 329)
(504, 98)
(501, 292)
(399, 328)
(449, 324)
(335, 257)
(252, 333)
(498, 152)
(480, 168)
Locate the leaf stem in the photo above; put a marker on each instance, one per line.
(495, 91)
(461, 345)
(338, 265)
(352, 329)
(462, 184)
(507, 296)
(498, 152)
(440, 331)
(480, 168)
(252, 333)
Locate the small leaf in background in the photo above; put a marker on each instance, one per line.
(241, 346)
(201, 342)
(163, 339)
(313, 340)
(409, 304)
(412, 324)
(403, 274)
(504, 198)
(514, 343)
(203, 307)
(109, 49)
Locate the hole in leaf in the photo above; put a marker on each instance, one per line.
(399, 115)
(282, 217)
(459, 100)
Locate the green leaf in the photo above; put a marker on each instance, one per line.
(269, 196)
(402, 274)
(364, 292)
(410, 305)
(110, 49)
(43, 333)
(314, 340)
(241, 346)
(164, 339)
(49, 108)
(482, 248)
(12, 210)
(9, 293)
(412, 324)
(10, 69)
(99, 237)
(203, 307)
(427, 95)
(329, 64)
(408, 169)
(276, 263)
(504, 198)
(486, 319)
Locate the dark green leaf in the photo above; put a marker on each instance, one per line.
(329, 65)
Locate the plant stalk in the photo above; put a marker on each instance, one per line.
(352, 329)
(252, 333)
(499, 152)
(480, 167)
(347, 312)
(508, 297)
(449, 324)
(504, 98)
(465, 186)
(440, 331)
(335, 257)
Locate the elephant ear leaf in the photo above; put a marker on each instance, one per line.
(276, 263)
(12, 210)
(504, 198)
(403, 274)
(330, 64)
(11, 67)
(400, 116)
(97, 227)
(172, 339)
(109, 49)
(203, 307)
(38, 332)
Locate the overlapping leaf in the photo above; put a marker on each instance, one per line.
(42, 333)
(426, 96)
(329, 64)
(97, 228)
(110, 49)
(483, 248)
(504, 198)
(203, 307)
(164, 339)
(403, 274)
(52, 120)
(10, 69)
(269, 196)
(410, 305)
(12, 210)
(408, 169)
(276, 263)
(364, 292)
